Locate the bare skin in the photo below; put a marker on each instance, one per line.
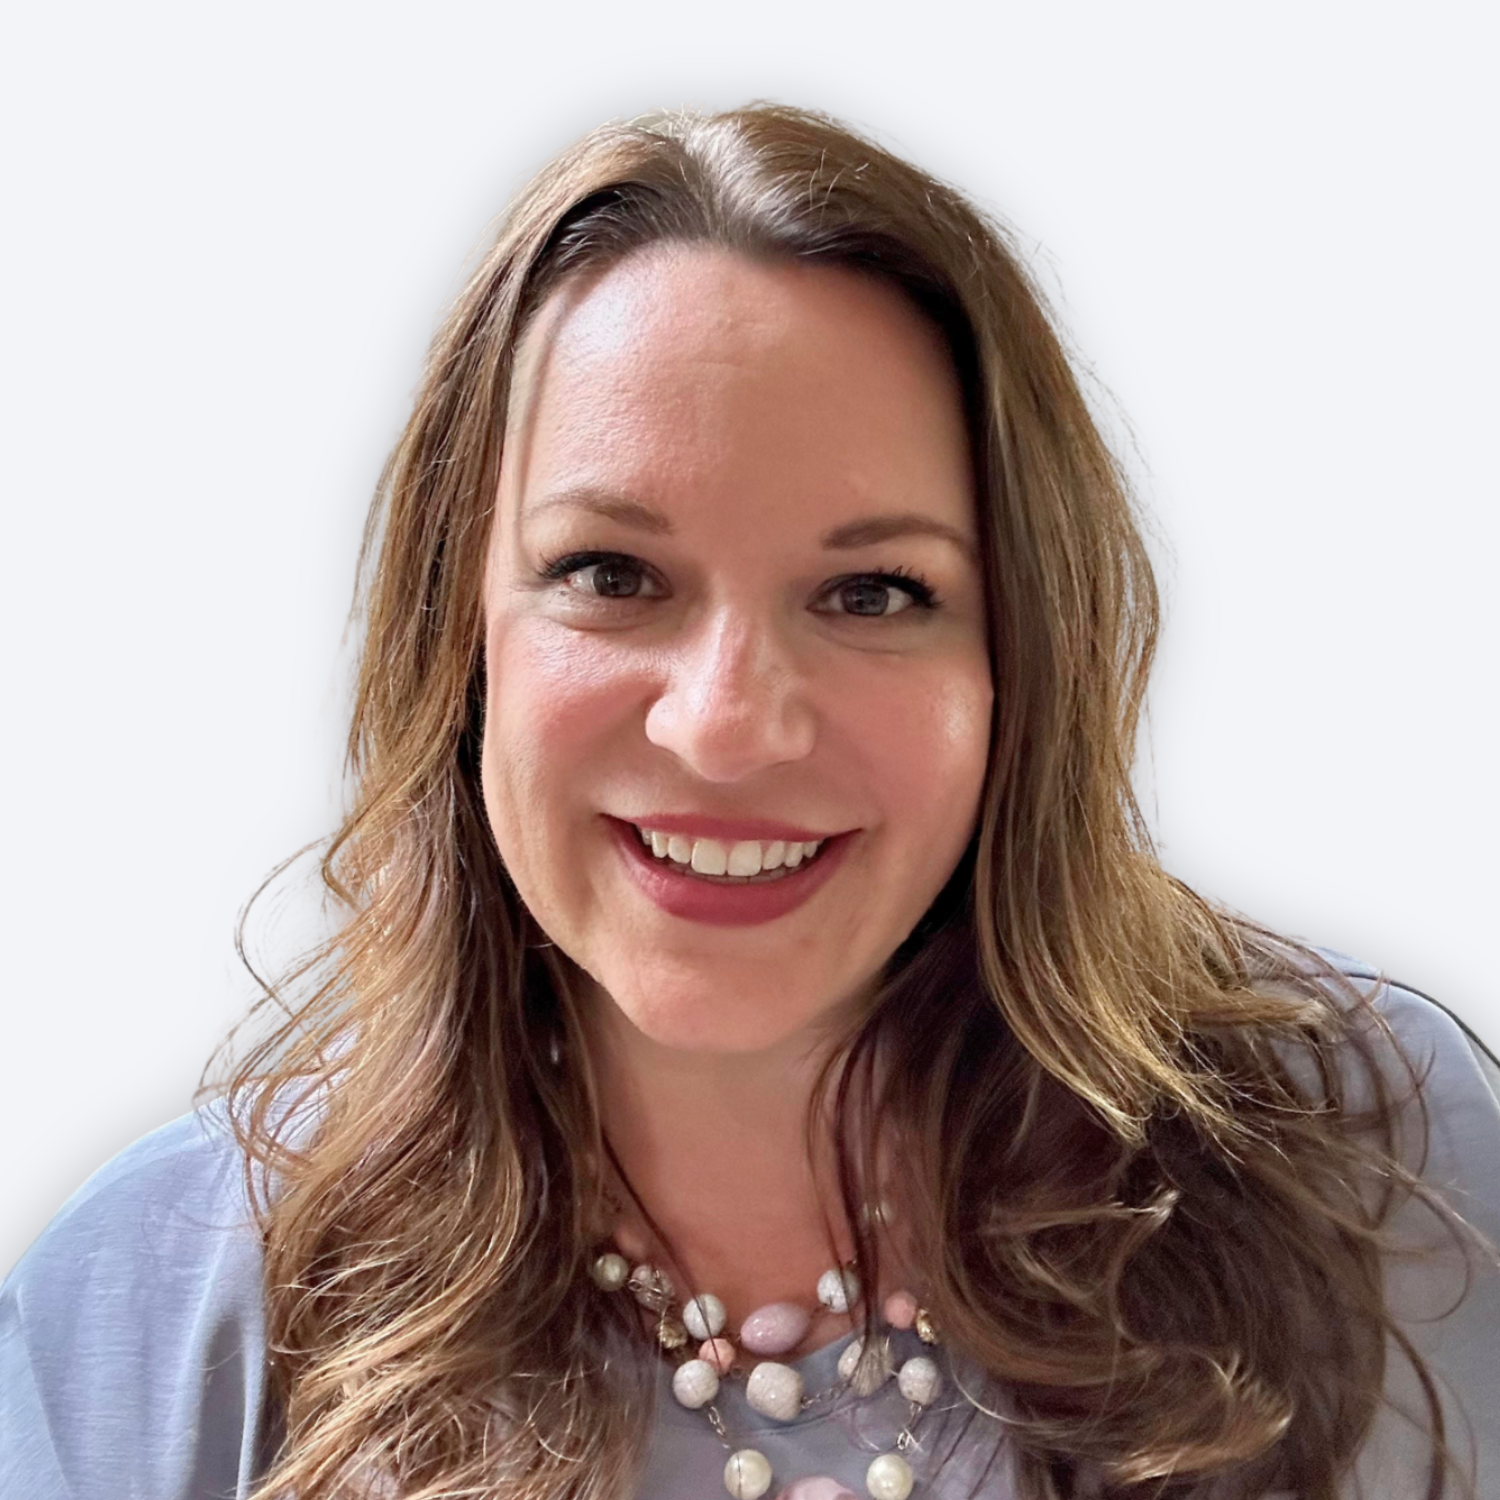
(743, 439)
(716, 1147)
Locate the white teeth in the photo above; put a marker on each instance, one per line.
(710, 857)
(743, 858)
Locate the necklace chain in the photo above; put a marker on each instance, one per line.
(774, 1389)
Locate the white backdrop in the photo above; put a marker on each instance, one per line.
(1272, 231)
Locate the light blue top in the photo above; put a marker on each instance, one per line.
(132, 1338)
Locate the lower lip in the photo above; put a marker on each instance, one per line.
(746, 905)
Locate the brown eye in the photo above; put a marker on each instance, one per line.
(610, 580)
(603, 575)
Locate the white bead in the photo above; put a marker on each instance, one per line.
(866, 1373)
(695, 1383)
(704, 1316)
(747, 1475)
(889, 1477)
(838, 1291)
(919, 1380)
(775, 1391)
(611, 1271)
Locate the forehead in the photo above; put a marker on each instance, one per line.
(699, 378)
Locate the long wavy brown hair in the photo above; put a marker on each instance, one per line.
(1144, 1202)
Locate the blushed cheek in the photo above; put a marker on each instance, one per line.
(554, 697)
(936, 738)
(961, 716)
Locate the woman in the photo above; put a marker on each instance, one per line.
(763, 1054)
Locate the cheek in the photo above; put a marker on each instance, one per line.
(552, 698)
(928, 745)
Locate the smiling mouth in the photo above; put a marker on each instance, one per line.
(726, 862)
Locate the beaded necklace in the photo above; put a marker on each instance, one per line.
(774, 1389)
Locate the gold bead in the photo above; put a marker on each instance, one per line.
(926, 1328)
(670, 1334)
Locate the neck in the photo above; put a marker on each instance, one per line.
(717, 1148)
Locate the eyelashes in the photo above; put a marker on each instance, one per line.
(621, 574)
(617, 575)
(922, 593)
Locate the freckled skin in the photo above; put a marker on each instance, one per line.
(755, 406)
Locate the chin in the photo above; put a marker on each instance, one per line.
(698, 1021)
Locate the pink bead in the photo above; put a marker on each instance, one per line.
(901, 1309)
(776, 1328)
(818, 1488)
(718, 1352)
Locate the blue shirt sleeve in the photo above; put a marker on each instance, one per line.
(132, 1345)
(1445, 1299)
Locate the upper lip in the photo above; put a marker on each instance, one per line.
(703, 825)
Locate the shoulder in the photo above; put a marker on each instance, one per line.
(1412, 1012)
(131, 1333)
(170, 1211)
(1458, 1121)
(1444, 1293)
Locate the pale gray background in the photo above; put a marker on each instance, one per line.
(231, 228)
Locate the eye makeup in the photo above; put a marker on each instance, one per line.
(618, 571)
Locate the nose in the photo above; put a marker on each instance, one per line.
(733, 702)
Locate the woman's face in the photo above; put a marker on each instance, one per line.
(733, 600)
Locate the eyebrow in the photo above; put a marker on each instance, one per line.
(873, 529)
(630, 513)
(866, 532)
